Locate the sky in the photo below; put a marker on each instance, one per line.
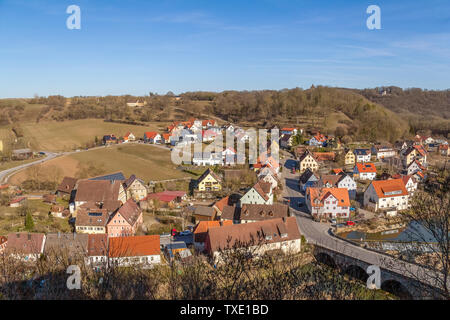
(136, 47)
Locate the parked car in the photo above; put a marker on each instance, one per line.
(350, 223)
(333, 221)
(174, 232)
(185, 233)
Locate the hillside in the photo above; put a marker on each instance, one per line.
(55, 122)
(424, 109)
(320, 108)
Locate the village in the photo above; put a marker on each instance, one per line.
(347, 187)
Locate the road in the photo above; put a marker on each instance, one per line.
(5, 174)
(320, 233)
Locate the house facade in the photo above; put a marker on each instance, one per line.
(135, 188)
(382, 152)
(362, 155)
(125, 221)
(91, 221)
(209, 181)
(328, 202)
(260, 193)
(388, 195)
(207, 159)
(152, 137)
(365, 171)
(307, 161)
(350, 158)
(307, 179)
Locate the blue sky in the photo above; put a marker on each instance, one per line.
(134, 47)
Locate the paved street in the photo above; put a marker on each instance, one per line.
(5, 174)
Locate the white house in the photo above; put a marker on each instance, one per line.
(414, 167)
(386, 195)
(410, 184)
(365, 171)
(383, 152)
(328, 202)
(363, 155)
(207, 159)
(260, 193)
(269, 178)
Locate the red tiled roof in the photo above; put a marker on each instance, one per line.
(134, 246)
(390, 188)
(337, 171)
(222, 203)
(151, 134)
(341, 194)
(367, 167)
(25, 243)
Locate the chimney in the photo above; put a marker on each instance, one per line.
(29, 237)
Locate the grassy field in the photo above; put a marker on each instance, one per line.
(70, 135)
(145, 161)
(11, 221)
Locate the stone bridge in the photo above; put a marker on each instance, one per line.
(399, 284)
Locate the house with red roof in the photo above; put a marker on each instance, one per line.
(414, 167)
(318, 140)
(17, 202)
(387, 195)
(128, 137)
(164, 199)
(143, 251)
(152, 137)
(166, 138)
(328, 202)
(290, 131)
(201, 231)
(365, 171)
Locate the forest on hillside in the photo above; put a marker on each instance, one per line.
(347, 113)
(426, 110)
